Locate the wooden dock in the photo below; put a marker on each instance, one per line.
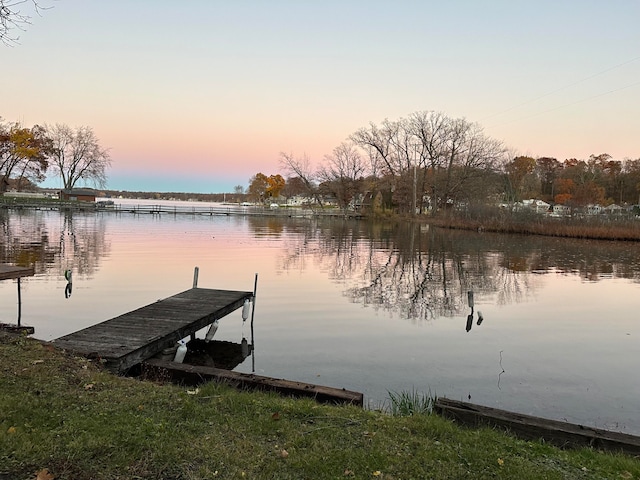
(133, 337)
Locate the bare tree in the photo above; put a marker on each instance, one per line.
(343, 173)
(301, 168)
(430, 131)
(470, 155)
(382, 141)
(77, 155)
(12, 18)
(445, 154)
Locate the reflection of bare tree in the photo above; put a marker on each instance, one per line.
(419, 272)
(426, 273)
(53, 241)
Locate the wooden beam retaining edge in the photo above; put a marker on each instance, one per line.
(194, 374)
(561, 434)
(17, 328)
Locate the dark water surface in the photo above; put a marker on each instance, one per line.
(365, 306)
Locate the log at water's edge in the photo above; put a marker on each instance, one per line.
(561, 434)
(10, 327)
(195, 374)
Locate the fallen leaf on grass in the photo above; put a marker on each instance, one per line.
(275, 416)
(44, 475)
(626, 475)
(89, 386)
(284, 453)
(11, 430)
(377, 473)
(348, 473)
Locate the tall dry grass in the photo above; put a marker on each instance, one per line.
(597, 227)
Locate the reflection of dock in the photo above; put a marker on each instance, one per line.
(136, 336)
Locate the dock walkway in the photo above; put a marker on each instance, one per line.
(136, 336)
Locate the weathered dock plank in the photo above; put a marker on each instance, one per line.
(8, 272)
(561, 434)
(196, 374)
(133, 337)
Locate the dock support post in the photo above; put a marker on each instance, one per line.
(195, 277)
(253, 309)
(253, 304)
(20, 303)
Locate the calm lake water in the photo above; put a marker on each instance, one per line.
(369, 307)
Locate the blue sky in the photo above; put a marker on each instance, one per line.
(201, 95)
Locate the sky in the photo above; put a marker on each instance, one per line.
(200, 95)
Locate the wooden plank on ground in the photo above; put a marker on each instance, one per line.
(128, 339)
(561, 434)
(194, 374)
(11, 327)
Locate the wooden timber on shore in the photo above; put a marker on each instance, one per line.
(561, 434)
(195, 374)
(133, 337)
(11, 327)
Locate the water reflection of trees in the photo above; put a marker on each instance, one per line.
(53, 241)
(426, 273)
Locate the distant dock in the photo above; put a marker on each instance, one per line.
(189, 208)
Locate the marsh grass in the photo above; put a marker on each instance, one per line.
(406, 403)
(65, 414)
(490, 219)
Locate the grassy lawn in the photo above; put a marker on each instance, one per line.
(63, 417)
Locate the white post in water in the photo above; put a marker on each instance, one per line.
(195, 277)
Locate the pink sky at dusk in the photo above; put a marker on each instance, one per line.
(200, 96)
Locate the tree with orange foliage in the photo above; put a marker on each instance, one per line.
(258, 185)
(518, 170)
(275, 185)
(24, 153)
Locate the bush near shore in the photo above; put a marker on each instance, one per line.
(64, 417)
